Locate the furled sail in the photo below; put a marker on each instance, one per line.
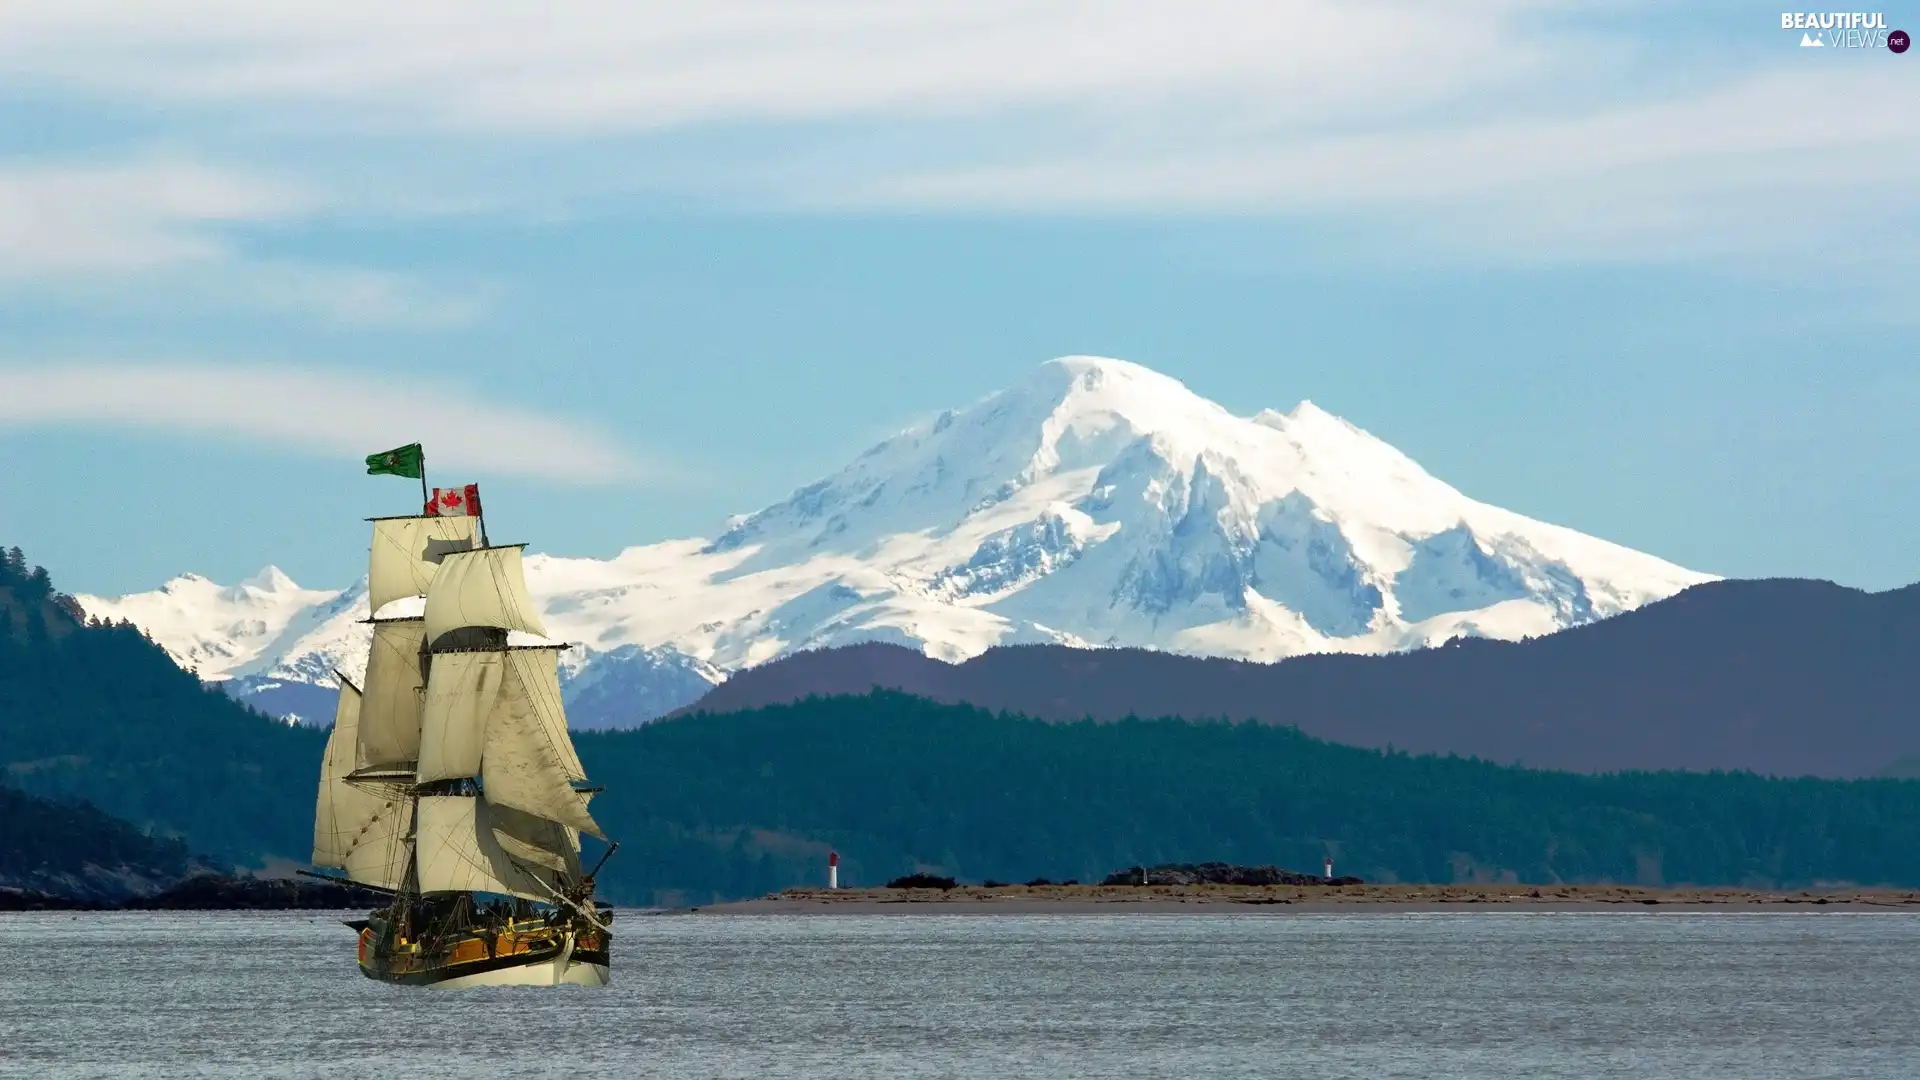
(482, 587)
(462, 691)
(407, 552)
(390, 714)
(458, 851)
(356, 830)
(526, 760)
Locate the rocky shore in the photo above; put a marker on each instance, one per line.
(1279, 899)
(1219, 873)
(212, 892)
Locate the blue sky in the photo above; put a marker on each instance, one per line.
(1648, 273)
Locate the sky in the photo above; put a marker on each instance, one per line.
(1646, 270)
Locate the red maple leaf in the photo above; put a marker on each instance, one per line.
(451, 498)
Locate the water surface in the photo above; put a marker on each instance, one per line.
(1534, 995)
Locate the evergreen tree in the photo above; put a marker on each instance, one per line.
(102, 714)
(740, 803)
(897, 783)
(37, 586)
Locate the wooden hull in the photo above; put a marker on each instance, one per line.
(536, 956)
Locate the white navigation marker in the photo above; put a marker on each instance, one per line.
(833, 869)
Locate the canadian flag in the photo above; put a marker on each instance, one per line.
(455, 502)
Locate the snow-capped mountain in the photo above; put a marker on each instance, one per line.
(1096, 502)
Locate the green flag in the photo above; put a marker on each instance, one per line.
(407, 460)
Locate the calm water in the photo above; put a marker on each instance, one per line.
(1746, 997)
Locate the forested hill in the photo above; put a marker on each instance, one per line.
(77, 851)
(740, 803)
(1789, 678)
(97, 712)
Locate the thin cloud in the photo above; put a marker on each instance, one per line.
(1722, 129)
(1530, 130)
(333, 413)
(81, 230)
(78, 220)
(1703, 175)
(622, 66)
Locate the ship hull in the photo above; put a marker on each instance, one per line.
(570, 960)
(546, 973)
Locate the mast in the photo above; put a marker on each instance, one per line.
(457, 728)
(404, 557)
(497, 770)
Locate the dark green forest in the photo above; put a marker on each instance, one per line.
(99, 713)
(76, 850)
(738, 804)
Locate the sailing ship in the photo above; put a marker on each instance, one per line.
(449, 779)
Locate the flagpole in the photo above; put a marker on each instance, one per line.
(424, 497)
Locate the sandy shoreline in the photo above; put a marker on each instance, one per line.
(1285, 899)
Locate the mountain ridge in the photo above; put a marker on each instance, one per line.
(1784, 676)
(1094, 502)
(743, 803)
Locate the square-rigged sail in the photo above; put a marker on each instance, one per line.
(453, 770)
(407, 553)
(450, 771)
(360, 831)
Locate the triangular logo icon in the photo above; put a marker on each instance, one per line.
(1808, 41)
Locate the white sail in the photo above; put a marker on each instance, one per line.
(390, 715)
(353, 829)
(483, 587)
(493, 714)
(496, 714)
(458, 852)
(526, 760)
(462, 690)
(407, 552)
(336, 814)
(379, 853)
(536, 841)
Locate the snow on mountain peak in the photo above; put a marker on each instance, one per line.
(1095, 501)
(271, 579)
(211, 628)
(268, 584)
(1090, 393)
